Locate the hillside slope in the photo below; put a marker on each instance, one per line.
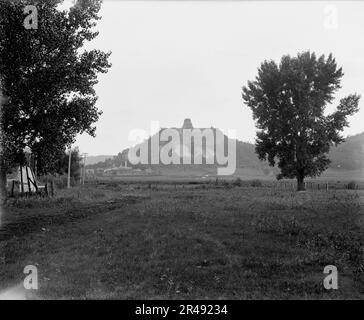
(347, 156)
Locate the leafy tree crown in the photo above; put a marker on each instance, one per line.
(47, 77)
(288, 102)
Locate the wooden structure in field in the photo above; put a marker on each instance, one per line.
(26, 178)
(26, 182)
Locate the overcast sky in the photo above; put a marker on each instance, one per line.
(176, 60)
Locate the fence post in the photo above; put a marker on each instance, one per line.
(52, 188)
(327, 186)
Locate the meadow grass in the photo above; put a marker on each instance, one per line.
(205, 241)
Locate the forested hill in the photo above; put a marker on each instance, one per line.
(347, 156)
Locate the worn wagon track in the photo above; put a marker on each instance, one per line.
(22, 226)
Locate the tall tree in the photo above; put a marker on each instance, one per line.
(47, 76)
(62, 163)
(288, 103)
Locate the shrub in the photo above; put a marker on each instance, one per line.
(256, 183)
(226, 184)
(237, 182)
(352, 185)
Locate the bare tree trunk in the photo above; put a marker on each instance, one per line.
(3, 191)
(300, 183)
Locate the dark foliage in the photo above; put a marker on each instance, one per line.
(288, 103)
(48, 78)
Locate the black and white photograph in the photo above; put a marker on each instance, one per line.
(192, 151)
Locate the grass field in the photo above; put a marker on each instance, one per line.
(337, 179)
(167, 241)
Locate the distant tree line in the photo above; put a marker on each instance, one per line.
(61, 164)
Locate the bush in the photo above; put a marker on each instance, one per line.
(352, 185)
(237, 182)
(256, 183)
(226, 184)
